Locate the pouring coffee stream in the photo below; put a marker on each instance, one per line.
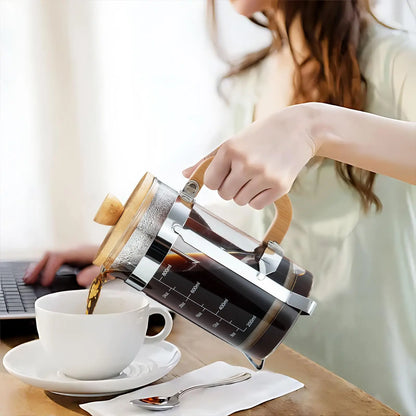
(95, 290)
(241, 290)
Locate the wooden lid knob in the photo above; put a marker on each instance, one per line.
(110, 211)
(124, 219)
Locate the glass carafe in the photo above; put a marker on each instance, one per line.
(244, 291)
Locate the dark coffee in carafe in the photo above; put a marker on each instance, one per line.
(217, 300)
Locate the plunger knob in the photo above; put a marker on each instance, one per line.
(110, 211)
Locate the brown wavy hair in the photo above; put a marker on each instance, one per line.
(330, 74)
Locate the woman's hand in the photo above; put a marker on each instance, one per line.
(260, 164)
(45, 270)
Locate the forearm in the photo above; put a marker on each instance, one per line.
(259, 164)
(371, 142)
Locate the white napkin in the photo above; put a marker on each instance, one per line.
(217, 401)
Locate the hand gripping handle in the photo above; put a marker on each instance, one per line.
(282, 217)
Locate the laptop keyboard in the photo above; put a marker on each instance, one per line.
(18, 299)
(15, 295)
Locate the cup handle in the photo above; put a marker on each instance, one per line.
(155, 310)
(283, 206)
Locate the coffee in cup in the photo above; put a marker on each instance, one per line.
(100, 345)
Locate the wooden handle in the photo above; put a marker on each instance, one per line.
(281, 221)
(199, 172)
(282, 217)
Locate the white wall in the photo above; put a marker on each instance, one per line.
(94, 94)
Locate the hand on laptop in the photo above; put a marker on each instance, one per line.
(45, 270)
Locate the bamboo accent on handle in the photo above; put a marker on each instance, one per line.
(281, 221)
(199, 172)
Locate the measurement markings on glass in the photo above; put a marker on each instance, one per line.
(165, 272)
(187, 299)
(166, 294)
(193, 290)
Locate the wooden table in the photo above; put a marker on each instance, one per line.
(324, 393)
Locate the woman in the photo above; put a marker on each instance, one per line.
(354, 230)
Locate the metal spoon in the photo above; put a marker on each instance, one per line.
(168, 402)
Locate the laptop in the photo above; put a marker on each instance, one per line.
(17, 299)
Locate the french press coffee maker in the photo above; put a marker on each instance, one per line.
(244, 291)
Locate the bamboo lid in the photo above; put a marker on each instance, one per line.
(123, 220)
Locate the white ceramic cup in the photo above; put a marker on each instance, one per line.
(101, 345)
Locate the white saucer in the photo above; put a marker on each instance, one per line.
(30, 364)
